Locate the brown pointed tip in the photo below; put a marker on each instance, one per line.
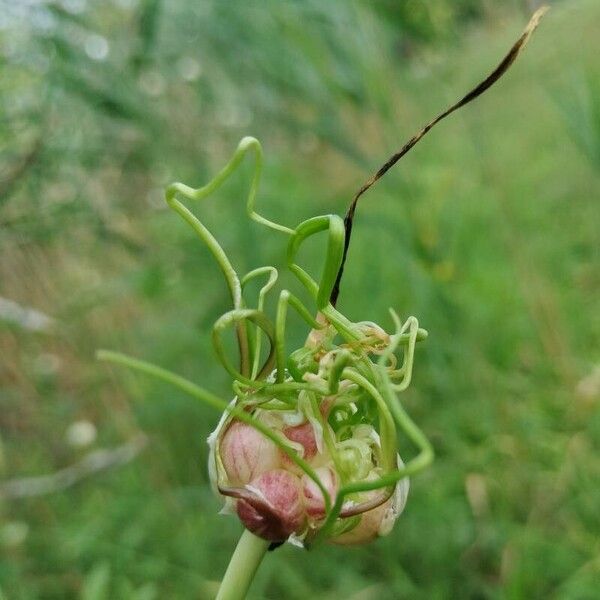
(536, 17)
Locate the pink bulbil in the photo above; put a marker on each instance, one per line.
(246, 453)
(302, 434)
(373, 524)
(313, 496)
(274, 507)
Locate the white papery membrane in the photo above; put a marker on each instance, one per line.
(398, 503)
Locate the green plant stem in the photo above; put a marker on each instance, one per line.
(243, 565)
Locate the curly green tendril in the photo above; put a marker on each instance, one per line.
(277, 382)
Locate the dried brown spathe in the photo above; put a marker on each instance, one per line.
(494, 76)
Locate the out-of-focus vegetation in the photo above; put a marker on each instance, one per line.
(489, 232)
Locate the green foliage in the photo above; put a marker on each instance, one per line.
(488, 231)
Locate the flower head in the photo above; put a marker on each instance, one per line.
(319, 459)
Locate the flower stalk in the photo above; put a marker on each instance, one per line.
(244, 563)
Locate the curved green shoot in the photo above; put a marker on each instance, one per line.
(350, 362)
(273, 274)
(217, 403)
(285, 299)
(235, 317)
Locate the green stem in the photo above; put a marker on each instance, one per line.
(243, 565)
(221, 405)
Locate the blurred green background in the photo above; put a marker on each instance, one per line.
(488, 232)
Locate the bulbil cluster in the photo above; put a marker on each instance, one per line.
(328, 418)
